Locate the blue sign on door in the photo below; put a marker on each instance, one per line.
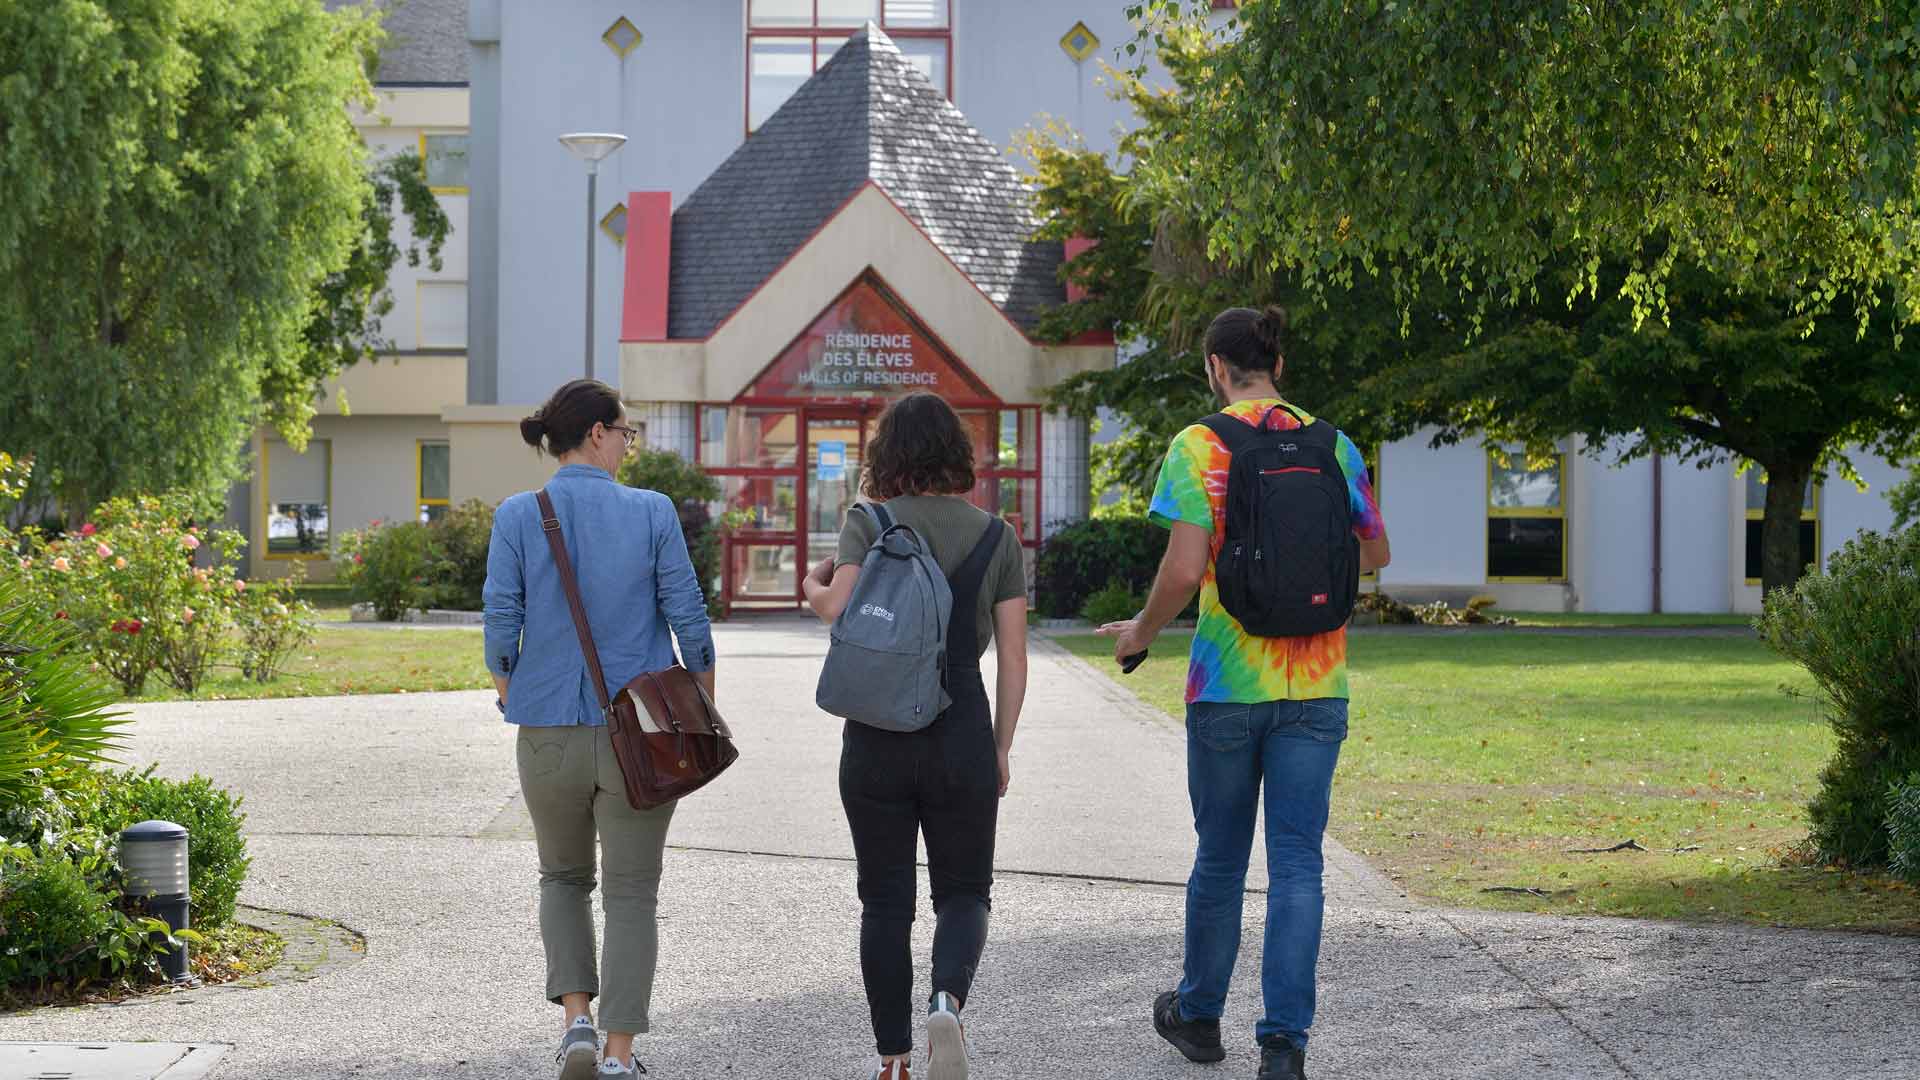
(832, 460)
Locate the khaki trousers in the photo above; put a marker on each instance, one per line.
(573, 790)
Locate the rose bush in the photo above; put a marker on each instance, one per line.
(146, 587)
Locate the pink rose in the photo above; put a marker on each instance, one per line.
(61, 564)
(26, 563)
(186, 615)
(190, 542)
(239, 586)
(61, 614)
(88, 529)
(105, 551)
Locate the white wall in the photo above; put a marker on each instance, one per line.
(1435, 505)
(1610, 532)
(1846, 510)
(679, 98)
(1698, 537)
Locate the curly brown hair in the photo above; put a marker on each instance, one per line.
(919, 447)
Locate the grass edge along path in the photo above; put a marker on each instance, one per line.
(353, 660)
(1482, 761)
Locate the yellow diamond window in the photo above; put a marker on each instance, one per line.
(614, 224)
(1080, 42)
(622, 37)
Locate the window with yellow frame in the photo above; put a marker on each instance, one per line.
(1526, 517)
(432, 471)
(299, 495)
(1371, 459)
(1755, 483)
(444, 156)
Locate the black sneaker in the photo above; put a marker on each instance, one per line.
(1281, 1060)
(1199, 1040)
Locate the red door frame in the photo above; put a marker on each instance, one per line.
(866, 408)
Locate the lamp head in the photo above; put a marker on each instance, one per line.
(592, 146)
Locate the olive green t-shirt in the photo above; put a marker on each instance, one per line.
(950, 525)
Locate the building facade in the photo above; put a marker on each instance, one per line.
(810, 216)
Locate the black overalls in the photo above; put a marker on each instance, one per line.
(944, 781)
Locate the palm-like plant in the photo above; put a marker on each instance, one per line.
(54, 712)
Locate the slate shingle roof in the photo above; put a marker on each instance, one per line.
(867, 114)
(426, 41)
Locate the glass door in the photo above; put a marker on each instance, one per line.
(835, 441)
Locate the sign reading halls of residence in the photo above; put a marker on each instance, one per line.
(865, 345)
(868, 362)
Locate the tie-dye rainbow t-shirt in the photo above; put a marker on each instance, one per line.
(1229, 664)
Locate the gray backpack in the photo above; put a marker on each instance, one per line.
(887, 662)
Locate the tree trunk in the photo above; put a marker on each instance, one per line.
(1780, 565)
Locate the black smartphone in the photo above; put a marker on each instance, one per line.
(1128, 663)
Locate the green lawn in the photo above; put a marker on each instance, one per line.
(353, 660)
(1477, 760)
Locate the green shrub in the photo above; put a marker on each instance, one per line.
(1856, 629)
(691, 489)
(390, 566)
(460, 540)
(1903, 829)
(272, 622)
(1087, 556)
(54, 918)
(60, 928)
(217, 859)
(1113, 602)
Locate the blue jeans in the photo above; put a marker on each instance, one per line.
(1293, 746)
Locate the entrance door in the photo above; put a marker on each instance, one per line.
(835, 448)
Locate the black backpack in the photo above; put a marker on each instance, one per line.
(1290, 565)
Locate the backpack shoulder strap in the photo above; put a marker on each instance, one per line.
(550, 524)
(1321, 433)
(1236, 433)
(879, 514)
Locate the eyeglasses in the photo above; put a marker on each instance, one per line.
(626, 433)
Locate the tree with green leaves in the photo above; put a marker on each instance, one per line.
(180, 178)
(1474, 144)
(1728, 374)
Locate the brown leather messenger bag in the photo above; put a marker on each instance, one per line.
(667, 736)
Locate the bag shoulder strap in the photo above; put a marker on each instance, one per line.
(1321, 433)
(1236, 433)
(550, 524)
(977, 560)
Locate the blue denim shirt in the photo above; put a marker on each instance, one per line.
(636, 581)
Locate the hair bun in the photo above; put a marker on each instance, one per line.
(533, 429)
(1270, 327)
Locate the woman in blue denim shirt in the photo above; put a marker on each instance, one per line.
(636, 583)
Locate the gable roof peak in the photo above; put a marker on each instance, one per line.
(868, 115)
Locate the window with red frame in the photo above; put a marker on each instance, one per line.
(788, 40)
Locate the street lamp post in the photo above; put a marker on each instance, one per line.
(591, 147)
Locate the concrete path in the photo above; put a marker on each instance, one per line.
(398, 817)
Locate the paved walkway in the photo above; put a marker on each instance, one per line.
(397, 816)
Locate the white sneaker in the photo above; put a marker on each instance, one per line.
(616, 1067)
(946, 1039)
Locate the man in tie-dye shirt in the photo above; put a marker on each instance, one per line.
(1259, 709)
